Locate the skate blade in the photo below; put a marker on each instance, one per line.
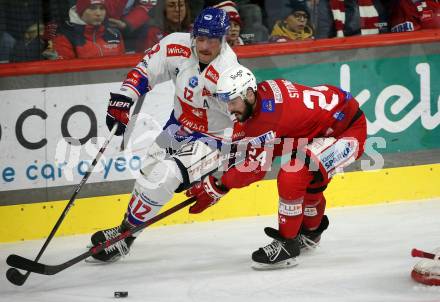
(288, 263)
(92, 260)
(309, 249)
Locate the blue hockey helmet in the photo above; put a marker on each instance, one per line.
(212, 23)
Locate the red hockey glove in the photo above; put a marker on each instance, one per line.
(207, 194)
(118, 111)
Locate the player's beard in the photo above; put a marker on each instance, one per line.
(247, 112)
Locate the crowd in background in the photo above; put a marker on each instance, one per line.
(63, 29)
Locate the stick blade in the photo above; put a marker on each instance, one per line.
(15, 277)
(415, 253)
(26, 264)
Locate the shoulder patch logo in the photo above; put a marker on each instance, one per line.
(177, 50)
(276, 91)
(268, 105)
(212, 74)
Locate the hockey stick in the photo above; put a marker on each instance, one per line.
(16, 277)
(422, 254)
(39, 268)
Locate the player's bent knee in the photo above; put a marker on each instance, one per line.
(159, 180)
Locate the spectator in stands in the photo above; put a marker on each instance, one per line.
(34, 23)
(88, 34)
(295, 26)
(6, 40)
(131, 18)
(31, 46)
(19, 20)
(169, 16)
(339, 18)
(409, 15)
(252, 29)
(233, 37)
(6, 46)
(313, 8)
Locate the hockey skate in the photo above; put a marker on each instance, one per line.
(281, 253)
(310, 239)
(116, 251)
(427, 270)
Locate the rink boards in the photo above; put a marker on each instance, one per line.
(32, 221)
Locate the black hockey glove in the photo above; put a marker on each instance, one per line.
(118, 111)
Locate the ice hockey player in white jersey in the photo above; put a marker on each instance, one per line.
(196, 126)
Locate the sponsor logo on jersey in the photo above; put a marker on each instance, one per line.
(206, 92)
(131, 81)
(193, 82)
(266, 137)
(338, 115)
(198, 112)
(135, 74)
(146, 199)
(238, 135)
(193, 118)
(406, 26)
(212, 74)
(289, 209)
(310, 212)
(268, 105)
(133, 78)
(177, 50)
(338, 155)
(320, 144)
(193, 125)
(276, 91)
(427, 15)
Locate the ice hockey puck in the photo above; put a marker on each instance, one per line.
(121, 294)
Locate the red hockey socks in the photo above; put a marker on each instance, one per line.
(292, 189)
(313, 211)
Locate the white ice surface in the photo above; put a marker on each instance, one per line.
(364, 256)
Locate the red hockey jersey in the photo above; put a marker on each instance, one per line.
(285, 113)
(410, 15)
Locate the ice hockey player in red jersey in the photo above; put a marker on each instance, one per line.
(321, 127)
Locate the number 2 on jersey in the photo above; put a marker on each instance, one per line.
(311, 97)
